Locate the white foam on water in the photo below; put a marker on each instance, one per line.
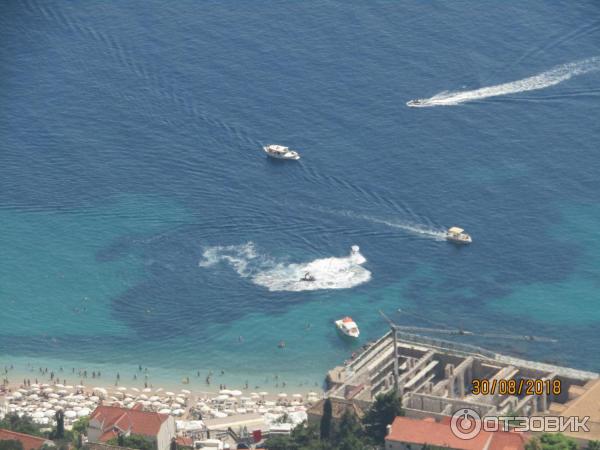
(329, 273)
(546, 79)
(425, 231)
(238, 257)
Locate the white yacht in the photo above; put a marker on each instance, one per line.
(348, 327)
(280, 152)
(458, 235)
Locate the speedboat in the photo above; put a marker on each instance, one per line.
(458, 235)
(280, 152)
(348, 327)
(307, 277)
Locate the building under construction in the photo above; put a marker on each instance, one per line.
(434, 378)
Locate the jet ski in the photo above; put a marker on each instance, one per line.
(415, 103)
(307, 277)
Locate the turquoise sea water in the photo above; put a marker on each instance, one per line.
(141, 223)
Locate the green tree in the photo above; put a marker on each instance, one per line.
(325, 428)
(593, 445)
(551, 441)
(11, 445)
(20, 424)
(382, 413)
(60, 425)
(134, 441)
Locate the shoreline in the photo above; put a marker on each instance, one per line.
(111, 378)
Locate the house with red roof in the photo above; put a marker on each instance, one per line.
(412, 434)
(28, 441)
(107, 422)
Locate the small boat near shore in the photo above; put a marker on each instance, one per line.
(458, 236)
(348, 327)
(281, 152)
(416, 103)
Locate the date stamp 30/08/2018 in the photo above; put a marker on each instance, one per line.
(519, 387)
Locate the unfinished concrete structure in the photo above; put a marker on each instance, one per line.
(434, 377)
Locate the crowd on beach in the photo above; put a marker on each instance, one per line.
(48, 391)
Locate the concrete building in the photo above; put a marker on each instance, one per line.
(338, 407)
(413, 434)
(434, 377)
(107, 422)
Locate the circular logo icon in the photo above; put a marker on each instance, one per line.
(465, 424)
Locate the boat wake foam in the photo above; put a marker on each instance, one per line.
(546, 79)
(422, 230)
(329, 273)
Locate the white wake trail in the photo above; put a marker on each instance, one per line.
(546, 79)
(329, 273)
(429, 232)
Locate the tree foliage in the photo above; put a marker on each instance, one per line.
(551, 441)
(11, 445)
(325, 429)
(20, 424)
(382, 413)
(134, 441)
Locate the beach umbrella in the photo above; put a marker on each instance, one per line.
(159, 390)
(69, 414)
(178, 412)
(165, 411)
(263, 394)
(33, 397)
(143, 396)
(180, 400)
(48, 390)
(169, 393)
(147, 390)
(225, 391)
(156, 404)
(297, 395)
(80, 386)
(100, 390)
(312, 394)
(37, 415)
(45, 385)
(282, 395)
(262, 410)
(135, 389)
(241, 411)
(221, 397)
(122, 388)
(236, 393)
(154, 398)
(58, 385)
(185, 391)
(68, 386)
(83, 412)
(270, 403)
(94, 398)
(17, 395)
(219, 414)
(50, 413)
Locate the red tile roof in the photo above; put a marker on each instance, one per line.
(414, 431)
(29, 442)
(428, 431)
(505, 440)
(127, 420)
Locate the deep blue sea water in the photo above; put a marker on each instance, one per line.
(140, 222)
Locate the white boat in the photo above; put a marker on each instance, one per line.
(458, 235)
(416, 103)
(280, 152)
(348, 327)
